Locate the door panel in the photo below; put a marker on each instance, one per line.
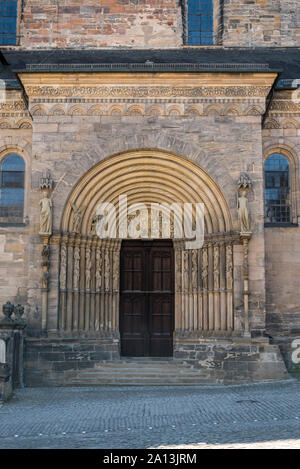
(147, 298)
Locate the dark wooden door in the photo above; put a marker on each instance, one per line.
(147, 298)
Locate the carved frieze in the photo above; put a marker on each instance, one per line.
(147, 91)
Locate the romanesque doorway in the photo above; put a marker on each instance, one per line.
(147, 298)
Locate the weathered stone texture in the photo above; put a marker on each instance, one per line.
(47, 361)
(282, 135)
(130, 23)
(153, 23)
(261, 23)
(228, 362)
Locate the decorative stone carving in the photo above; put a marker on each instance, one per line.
(19, 311)
(98, 269)
(148, 91)
(45, 215)
(229, 268)
(194, 269)
(88, 268)
(8, 309)
(63, 266)
(216, 267)
(78, 215)
(46, 251)
(76, 268)
(107, 271)
(204, 268)
(46, 182)
(95, 219)
(244, 181)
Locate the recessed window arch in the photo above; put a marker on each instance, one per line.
(277, 190)
(203, 22)
(12, 181)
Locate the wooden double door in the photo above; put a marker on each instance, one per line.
(147, 298)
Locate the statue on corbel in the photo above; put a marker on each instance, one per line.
(244, 185)
(46, 186)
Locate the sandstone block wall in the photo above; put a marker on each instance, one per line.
(154, 23)
(109, 23)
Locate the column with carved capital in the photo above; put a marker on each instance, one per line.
(178, 247)
(63, 283)
(216, 275)
(205, 287)
(46, 187)
(76, 280)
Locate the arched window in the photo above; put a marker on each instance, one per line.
(200, 22)
(12, 172)
(277, 189)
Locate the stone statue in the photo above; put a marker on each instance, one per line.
(216, 267)
(229, 267)
(204, 268)
(79, 211)
(45, 215)
(76, 268)
(98, 269)
(243, 213)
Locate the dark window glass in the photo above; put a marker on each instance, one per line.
(200, 22)
(277, 189)
(12, 172)
(8, 22)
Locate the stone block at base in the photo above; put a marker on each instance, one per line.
(228, 362)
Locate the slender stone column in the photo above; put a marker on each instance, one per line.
(245, 239)
(62, 283)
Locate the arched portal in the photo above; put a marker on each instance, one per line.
(90, 266)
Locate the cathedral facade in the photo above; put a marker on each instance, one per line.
(130, 105)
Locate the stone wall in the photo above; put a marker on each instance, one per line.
(55, 361)
(153, 23)
(109, 23)
(281, 134)
(228, 361)
(15, 137)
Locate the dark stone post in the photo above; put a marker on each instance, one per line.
(11, 349)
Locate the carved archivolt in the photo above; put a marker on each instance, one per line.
(158, 177)
(255, 111)
(271, 124)
(231, 111)
(39, 110)
(95, 110)
(213, 110)
(77, 111)
(57, 110)
(135, 111)
(290, 124)
(24, 124)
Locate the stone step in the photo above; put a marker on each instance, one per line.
(137, 374)
(149, 381)
(142, 371)
(126, 366)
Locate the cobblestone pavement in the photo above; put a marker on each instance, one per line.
(265, 415)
